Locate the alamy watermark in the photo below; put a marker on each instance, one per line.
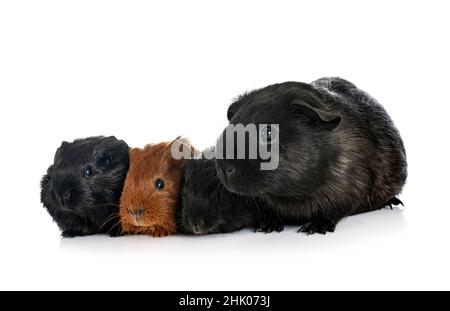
(239, 142)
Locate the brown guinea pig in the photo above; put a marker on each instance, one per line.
(150, 195)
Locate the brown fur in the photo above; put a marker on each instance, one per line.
(146, 166)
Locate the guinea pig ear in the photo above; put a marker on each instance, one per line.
(118, 143)
(233, 108)
(106, 159)
(108, 141)
(317, 114)
(110, 149)
(60, 150)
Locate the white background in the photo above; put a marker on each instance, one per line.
(150, 71)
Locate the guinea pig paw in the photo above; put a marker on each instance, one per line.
(270, 227)
(69, 234)
(394, 201)
(263, 229)
(115, 234)
(279, 228)
(317, 226)
(159, 233)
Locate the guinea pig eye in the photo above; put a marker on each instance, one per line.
(269, 134)
(159, 184)
(88, 171)
(266, 134)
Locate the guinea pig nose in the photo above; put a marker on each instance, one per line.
(231, 170)
(138, 212)
(228, 170)
(65, 195)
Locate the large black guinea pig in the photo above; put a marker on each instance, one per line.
(82, 187)
(339, 152)
(207, 207)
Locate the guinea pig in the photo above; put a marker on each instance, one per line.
(150, 195)
(339, 152)
(207, 207)
(82, 188)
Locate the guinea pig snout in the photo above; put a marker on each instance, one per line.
(227, 170)
(136, 213)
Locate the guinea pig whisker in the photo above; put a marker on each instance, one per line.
(115, 225)
(222, 190)
(119, 222)
(108, 219)
(180, 223)
(112, 216)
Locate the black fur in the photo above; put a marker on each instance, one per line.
(207, 207)
(340, 152)
(80, 204)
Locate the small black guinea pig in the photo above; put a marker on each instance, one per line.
(207, 207)
(82, 188)
(339, 152)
